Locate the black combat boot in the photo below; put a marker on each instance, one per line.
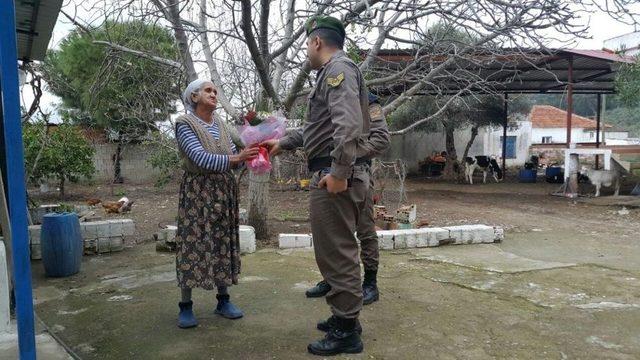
(331, 323)
(342, 339)
(370, 292)
(321, 289)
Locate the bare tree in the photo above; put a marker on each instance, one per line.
(253, 50)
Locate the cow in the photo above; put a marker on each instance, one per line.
(486, 164)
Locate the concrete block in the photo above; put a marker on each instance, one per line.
(170, 233)
(5, 315)
(129, 227)
(110, 244)
(102, 229)
(430, 237)
(115, 227)
(411, 238)
(471, 234)
(385, 239)
(103, 245)
(498, 234)
(89, 230)
(247, 239)
(90, 246)
(117, 243)
(35, 252)
(399, 239)
(294, 241)
(34, 233)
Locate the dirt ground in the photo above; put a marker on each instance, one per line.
(565, 284)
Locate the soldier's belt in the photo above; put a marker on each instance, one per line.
(319, 163)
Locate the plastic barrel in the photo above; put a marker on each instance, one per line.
(61, 244)
(554, 174)
(527, 176)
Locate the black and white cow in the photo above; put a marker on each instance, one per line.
(486, 164)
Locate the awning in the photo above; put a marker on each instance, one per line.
(35, 20)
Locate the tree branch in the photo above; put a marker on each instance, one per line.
(211, 64)
(141, 54)
(261, 66)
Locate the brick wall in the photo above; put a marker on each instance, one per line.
(133, 164)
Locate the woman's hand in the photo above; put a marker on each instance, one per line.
(245, 154)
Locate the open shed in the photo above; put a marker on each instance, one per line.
(520, 72)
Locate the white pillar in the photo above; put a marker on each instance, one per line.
(5, 315)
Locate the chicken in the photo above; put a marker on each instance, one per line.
(123, 205)
(111, 207)
(93, 202)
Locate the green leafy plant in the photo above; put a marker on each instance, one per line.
(57, 151)
(165, 159)
(119, 93)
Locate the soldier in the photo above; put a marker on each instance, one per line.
(337, 121)
(377, 143)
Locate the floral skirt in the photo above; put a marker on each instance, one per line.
(208, 240)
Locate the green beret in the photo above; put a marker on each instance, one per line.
(325, 22)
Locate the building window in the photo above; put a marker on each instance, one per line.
(546, 139)
(592, 135)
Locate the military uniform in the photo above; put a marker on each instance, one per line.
(337, 118)
(376, 144)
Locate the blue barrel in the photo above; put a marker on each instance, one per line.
(61, 244)
(554, 174)
(527, 176)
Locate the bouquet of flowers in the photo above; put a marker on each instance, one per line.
(257, 128)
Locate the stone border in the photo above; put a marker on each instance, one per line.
(166, 239)
(98, 236)
(414, 238)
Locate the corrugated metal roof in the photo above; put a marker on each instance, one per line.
(35, 20)
(601, 54)
(514, 71)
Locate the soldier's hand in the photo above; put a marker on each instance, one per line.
(333, 184)
(273, 146)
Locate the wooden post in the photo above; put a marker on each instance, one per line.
(569, 100)
(505, 123)
(598, 120)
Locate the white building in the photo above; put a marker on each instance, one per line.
(549, 126)
(629, 44)
(544, 125)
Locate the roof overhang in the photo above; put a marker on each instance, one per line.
(35, 20)
(517, 71)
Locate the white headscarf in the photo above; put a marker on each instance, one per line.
(193, 88)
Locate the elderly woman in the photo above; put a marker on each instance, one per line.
(208, 254)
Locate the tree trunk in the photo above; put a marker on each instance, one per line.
(117, 171)
(452, 157)
(258, 200)
(474, 134)
(62, 186)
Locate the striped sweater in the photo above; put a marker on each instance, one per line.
(188, 141)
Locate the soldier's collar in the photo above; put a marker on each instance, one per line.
(337, 54)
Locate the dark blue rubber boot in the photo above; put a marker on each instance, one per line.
(186, 319)
(226, 309)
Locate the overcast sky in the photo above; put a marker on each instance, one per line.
(601, 28)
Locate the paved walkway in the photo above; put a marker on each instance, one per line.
(456, 302)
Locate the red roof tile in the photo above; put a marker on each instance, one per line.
(546, 116)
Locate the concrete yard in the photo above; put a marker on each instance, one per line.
(564, 284)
